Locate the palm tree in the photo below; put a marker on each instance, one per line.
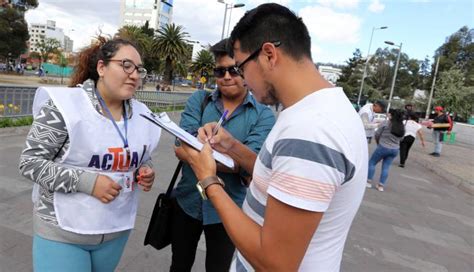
(171, 45)
(203, 64)
(144, 42)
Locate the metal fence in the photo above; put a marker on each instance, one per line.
(17, 101)
(163, 100)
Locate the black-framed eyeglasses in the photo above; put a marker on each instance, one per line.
(240, 67)
(219, 72)
(129, 67)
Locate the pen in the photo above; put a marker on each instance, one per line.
(219, 123)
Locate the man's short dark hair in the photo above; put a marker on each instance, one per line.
(269, 23)
(221, 49)
(381, 103)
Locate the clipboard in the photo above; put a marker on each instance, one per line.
(162, 120)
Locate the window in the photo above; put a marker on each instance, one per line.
(166, 8)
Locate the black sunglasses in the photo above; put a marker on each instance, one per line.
(240, 67)
(219, 72)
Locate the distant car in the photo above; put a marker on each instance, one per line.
(184, 84)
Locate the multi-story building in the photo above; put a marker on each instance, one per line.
(40, 32)
(330, 73)
(136, 12)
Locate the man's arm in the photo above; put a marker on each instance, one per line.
(225, 143)
(367, 123)
(280, 244)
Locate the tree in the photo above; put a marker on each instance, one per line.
(458, 52)
(203, 64)
(142, 37)
(13, 32)
(171, 46)
(48, 46)
(63, 62)
(451, 93)
(352, 74)
(425, 74)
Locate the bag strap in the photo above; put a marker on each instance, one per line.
(180, 163)
(173, 180)
(204, 103)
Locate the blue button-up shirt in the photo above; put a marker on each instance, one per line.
(250, 123)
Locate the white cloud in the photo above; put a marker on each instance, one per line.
(255, 3)
(81, 25)
(342, 4)
(326, 25)
(376, 6)
(316, 51)
(202, 19)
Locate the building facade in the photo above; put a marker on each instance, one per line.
(40, 32)
(158, 13)
(330, 73)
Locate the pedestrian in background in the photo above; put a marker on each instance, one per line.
(387, 137)
(412, 129)
(442, 123)
(86, 150)
(367, 114)
(249, 122)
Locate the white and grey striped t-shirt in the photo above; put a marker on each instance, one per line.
(315, 159)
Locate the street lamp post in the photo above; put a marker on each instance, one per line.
(432, 89)
(394, 73)
(367, 62)
(228, 6)
(230, 17)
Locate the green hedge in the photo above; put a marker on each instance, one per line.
(167, 109)
(16, 122)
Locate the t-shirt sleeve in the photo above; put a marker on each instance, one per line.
(308, 169)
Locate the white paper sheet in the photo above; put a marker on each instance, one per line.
(163, 120)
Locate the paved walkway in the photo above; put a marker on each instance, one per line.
(420, 223)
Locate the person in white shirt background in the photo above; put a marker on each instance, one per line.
(412, 129)
(367, 114)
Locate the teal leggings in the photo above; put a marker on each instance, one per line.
(52, 256)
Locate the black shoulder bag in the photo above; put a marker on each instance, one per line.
(159, 230)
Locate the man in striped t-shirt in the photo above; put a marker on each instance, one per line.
(309, 177)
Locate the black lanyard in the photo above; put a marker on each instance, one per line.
(125, 121)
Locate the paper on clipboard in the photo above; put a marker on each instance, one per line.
(162, 120)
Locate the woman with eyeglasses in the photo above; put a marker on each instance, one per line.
(89, 154)
(248, 121)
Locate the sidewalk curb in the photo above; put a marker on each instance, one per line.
(14, 131)
(458, 182)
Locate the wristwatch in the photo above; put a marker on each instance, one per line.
(203, 184)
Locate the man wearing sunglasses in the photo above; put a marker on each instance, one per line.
(309, 177)
(249, 122)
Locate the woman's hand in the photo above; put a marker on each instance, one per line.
(105, 189)
(146, 177)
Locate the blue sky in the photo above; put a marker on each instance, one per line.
(337, 27)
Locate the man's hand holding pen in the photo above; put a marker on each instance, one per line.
(214, 137)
